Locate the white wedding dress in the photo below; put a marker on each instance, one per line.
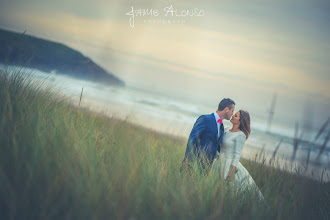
(231, 148)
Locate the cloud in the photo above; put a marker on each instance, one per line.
(252, 55)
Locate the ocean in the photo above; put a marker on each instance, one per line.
(175, 116)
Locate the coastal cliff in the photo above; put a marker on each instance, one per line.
(24, 50)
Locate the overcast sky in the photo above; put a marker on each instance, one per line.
(246, 50)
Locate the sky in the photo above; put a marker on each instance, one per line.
(245, 50)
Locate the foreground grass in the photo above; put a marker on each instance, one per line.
(58, 161)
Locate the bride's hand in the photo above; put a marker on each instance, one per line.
(231, 176)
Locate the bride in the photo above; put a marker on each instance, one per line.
(227, 165)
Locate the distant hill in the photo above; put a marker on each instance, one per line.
(24, 50)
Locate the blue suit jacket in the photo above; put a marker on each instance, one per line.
(204, 138)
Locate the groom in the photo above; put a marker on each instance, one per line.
(206, 135)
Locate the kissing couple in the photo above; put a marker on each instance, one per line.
(218, 149)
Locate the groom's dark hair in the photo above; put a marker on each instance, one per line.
(225, 103)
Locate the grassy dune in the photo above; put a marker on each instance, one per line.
(59, 161)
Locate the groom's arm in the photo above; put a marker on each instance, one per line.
(195, 135)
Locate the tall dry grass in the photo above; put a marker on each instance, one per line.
(62, 162)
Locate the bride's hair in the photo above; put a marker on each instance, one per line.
(244, 120)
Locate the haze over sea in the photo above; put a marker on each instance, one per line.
(175, 116)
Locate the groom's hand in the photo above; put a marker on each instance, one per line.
(186, 164)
